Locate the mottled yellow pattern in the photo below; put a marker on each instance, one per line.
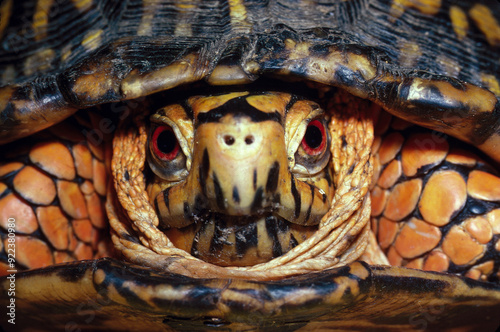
(41, 18)
(459, 21)
(92, 40)
(486, 22)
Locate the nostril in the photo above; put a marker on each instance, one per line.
(229, 140)
(249, 139)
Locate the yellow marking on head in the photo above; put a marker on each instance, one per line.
(270, 103)
(459, 21)
(201, 104)
(487, 23)
(5, 11)
(92, 40)
(41, 18)
(238, 14)
(409, 53)
(38, 62)
(82, 5)
(491, 82)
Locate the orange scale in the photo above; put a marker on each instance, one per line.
(32, 252)
(436, 261)
(473, 274)
(416, 263)
(390, 175)
(83, 161)
(376, 172)
(12, 206)
(485, 186)
(83, 251)
(97, 150)
(394, 257)
(83, 229)
(104, 249)
(10, 167)
(443, 196)
(422, 150)
(100, 178)
(71, 199)
(462, 157)
(379, 199)
(387, 230)
(54, 158)
(54, 225)
(96, 210)
(62, 257)
(87, 188)
(461, 247)
(493, 218)
(390, 147)
(416, 238)
(374, 225)
(403, 199)
(73, 241)
(33, 185)
(3, 187)
(377, 141)
(486, 268)
(479, 228)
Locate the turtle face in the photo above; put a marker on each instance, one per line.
(240, 178)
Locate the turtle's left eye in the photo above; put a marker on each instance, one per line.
(314, 140)
(165, 144)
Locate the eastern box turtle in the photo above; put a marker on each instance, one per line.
(250, 165)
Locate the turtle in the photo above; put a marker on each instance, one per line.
(250, 165)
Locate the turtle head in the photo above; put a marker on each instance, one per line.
(240, 178)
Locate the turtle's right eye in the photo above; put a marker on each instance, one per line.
(165, 156)
(164, 143)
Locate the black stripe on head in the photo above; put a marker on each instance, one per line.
(308, 213)
(188, 109)
(166, 200)
(236, 195)
(255, 179)
(273, 177)
(246, 238)
(219, 195)
(296, 198)
(257, 200)
(220, 236)
(271, 228)
(237, 107)
(203, 170)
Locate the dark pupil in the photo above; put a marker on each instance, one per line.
(313, 137)
(166, 141)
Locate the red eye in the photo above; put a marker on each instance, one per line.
(165, 144)
(314, 140)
